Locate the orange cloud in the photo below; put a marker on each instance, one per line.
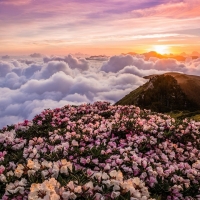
(174, 10)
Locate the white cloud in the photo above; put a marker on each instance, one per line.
(51, 68)
(74, 63)
(12, 81)
(30, 70)
(59, 81)
(169, 64)
(5, 68)
(140, 72)
(9, 120)
(76, 98)
(117, 63)
(29, 88)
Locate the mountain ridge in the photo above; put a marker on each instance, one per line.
(179, 57)
(167, 92)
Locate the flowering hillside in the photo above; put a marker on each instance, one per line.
(100, 152)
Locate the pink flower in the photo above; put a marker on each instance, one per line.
(95, 161)
(2, 169)
(2, 154)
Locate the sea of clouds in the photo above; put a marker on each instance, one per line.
(32, 84)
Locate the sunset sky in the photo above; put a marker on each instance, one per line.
(98, 27)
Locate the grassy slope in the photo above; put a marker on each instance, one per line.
(131, 98)
(185, 114)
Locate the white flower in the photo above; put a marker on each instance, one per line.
(10, 173)
(3, 178)
(89, 185)
(65, 195)
(47, 189)
(196, 164)
(44, 173)
(31, 172)
(46, 164)
(116, 184)
(159, 170)
(65, 166)
(97, 175)
(144, 198)
(16, 187)
(71, 185)
(136, 180)
(105, 176)
(19, 170)
(74, 143)
(33, 164)
(8, 137)
(64, 170)
(23, 182)
(115, 194)
(68, 195)
(78, 189)
(117, 174)
(55, 170)
(98, 196)
(107, 182)
(113, 173)
(136, 194)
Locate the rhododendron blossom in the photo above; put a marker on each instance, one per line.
(100, 151)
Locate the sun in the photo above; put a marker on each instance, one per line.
(161, 49)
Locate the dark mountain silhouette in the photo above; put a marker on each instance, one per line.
(167, 92)
(182, 57)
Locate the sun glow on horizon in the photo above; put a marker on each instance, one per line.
(161, 49)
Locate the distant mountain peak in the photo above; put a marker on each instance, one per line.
(195, 53)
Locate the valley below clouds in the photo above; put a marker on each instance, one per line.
(31, 84)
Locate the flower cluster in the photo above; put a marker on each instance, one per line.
(100, 152)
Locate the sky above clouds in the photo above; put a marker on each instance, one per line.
(44, 45)
(35, 83)
(98, 27)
